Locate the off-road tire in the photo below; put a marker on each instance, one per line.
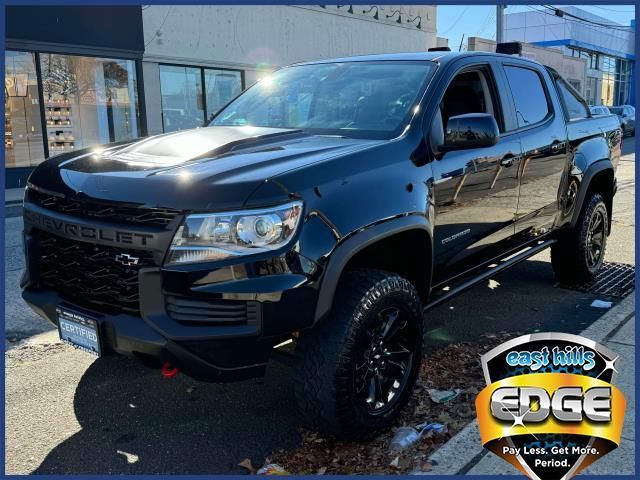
(569, 256)
(325, 369)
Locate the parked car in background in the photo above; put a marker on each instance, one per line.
(627, 115)
(599, 110)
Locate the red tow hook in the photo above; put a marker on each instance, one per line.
(168, 370)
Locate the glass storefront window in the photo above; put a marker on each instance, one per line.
(185, 98)
(616, 78)
(608, 83)
(623, 80)
(590, 57)
(181, 92)
(23, 145)
(576, 84)
(88, 101)
(220, 86)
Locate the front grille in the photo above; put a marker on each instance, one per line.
(196, 311)
(114, 212)
(89, 275)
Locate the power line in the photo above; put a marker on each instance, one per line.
(611, 9)
(598, 27)
(613, 26)
(486, 23)
(579, 20)
(568, 20)
(456, 22)
(546, 13)
(160, 27)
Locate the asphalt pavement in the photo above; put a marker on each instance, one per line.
(68, 413)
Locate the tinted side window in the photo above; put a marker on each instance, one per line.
(469, 92)
(575, 107)
(528, 94)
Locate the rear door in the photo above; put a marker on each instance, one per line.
(544, 166)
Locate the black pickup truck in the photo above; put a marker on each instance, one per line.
(328, 207)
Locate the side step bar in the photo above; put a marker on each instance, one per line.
(448, 292)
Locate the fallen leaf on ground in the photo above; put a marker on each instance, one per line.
(453, 367)
(246, 463)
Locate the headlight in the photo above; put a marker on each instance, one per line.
(216, 236)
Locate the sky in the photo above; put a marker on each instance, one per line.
(480, 21)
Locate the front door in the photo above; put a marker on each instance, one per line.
(475, 190)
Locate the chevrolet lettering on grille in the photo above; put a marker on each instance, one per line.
(89, 233)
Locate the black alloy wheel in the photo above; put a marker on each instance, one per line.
(595, 238)
(385, 361)
(579, 252)
(355, 370)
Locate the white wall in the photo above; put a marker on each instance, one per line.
(535, 27)
(538, 27)
(279, 35)
(256, 39)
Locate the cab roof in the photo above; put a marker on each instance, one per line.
(437, 57)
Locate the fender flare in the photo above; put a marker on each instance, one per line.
(592, 170)
(355, 243)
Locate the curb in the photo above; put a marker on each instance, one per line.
(463, 451)
(12, 209)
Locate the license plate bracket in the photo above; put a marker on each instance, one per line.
(79, 330)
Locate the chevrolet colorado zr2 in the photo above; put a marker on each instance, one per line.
(328, 206)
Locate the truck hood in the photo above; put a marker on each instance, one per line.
(205, 168)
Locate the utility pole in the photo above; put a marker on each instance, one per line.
(500, 23)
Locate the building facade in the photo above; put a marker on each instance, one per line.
(69, 82)
(80, 76)
(608, 48)
(573, 69)
(188, 77)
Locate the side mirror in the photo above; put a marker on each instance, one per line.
(472, 130)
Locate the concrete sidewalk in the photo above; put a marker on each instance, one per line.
(13, 196)
(463, 454)
(13, 202)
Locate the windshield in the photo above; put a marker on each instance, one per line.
(353, 99)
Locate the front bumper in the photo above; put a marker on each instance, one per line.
(227, 360)
(280, 295)
(207, 353)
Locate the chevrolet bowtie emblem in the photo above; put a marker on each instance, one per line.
(127, 260)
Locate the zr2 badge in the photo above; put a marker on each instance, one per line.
(550, 407)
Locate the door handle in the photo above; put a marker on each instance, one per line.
(557, 146)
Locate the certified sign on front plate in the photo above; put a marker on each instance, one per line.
(78, 330)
